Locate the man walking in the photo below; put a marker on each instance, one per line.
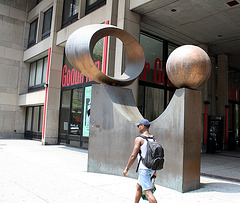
(145, 174)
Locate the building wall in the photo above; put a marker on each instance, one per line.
(16, 57)
(12, 68)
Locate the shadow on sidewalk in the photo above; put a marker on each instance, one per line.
(221, 187)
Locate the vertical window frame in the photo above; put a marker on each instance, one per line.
(41, 85)
(94, 6)
(71, 19)
(34, 41)
(46, 33)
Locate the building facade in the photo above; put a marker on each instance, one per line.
(43, 97)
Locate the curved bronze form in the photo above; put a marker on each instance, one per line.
(79, 51)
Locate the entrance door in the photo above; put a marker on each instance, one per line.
(74, 117)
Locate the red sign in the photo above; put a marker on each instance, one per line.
(159, 73)
(233, 94)
(73, 76)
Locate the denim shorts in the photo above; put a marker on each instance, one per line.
(144, 178)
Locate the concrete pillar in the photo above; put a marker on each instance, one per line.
(54, 86)
(130, 22)
(222, 89)
(204, 91)
(212, 87)
(222, 84)
(204, 88)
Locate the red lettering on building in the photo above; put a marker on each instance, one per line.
(73, 76)
(68, 77)
(234, 93)
(157, 71)
(163, 75)
(144, 73)
(64, 78)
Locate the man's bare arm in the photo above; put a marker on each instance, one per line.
(133, 156)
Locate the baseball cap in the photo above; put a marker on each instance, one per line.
(144, 122)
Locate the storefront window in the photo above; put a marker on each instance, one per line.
(171, 48)
(65, 110)
(29, 119)
(155, 89)
(34, 119)
(72, 76)
(153, 51)
(87, 110)
(76, 116)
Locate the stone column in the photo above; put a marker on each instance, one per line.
(204, 88)
(222, 87)
(54, 86)
(212, 87)
(130, 22)
(222, 84)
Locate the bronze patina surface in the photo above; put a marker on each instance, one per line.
(79, 51)
(188, 66)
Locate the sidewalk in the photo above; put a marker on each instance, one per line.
(31, 172)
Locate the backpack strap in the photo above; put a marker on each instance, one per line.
(146, 138)
(139, 160)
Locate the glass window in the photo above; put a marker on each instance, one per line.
(141, 102)
(47, 20)
(171, 48)
(35, 119)
(98, 53)
(32, 74)
(70, 12)
(169, 96)
(65, 110)
(41, 118)
(39, 72)
(45, 69)
(76, 115)
(32, 33)
(92, 5)
(29, 119)
(154, 102)
(153, 51)
(155, 89)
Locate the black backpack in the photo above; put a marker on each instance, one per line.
(154, 158)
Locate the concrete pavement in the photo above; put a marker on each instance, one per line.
(31, 172)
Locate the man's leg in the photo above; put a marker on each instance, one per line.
(150, 196)
(138, 193)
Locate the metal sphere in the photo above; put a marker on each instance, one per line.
(79, 51)
(188, 66)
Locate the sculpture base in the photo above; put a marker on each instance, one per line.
(178, 129)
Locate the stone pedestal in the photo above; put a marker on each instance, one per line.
(178, 129)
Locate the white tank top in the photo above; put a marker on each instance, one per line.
(143, 149)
